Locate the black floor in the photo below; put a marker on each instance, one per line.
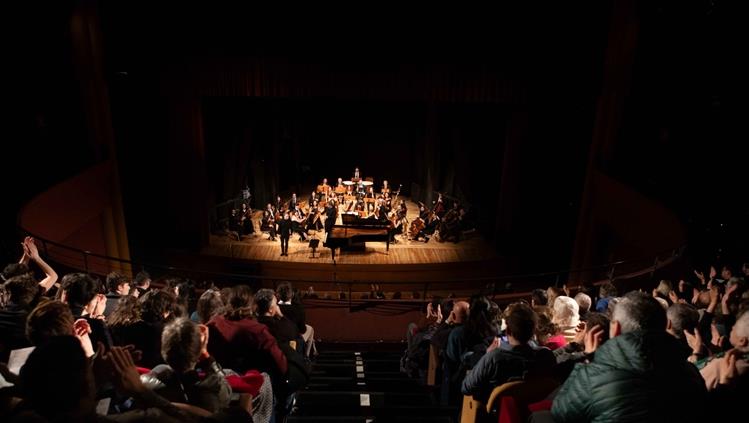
(362, 383)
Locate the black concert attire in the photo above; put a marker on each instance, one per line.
(269, 224)
(330, 216)
(314, 220)
(284, 230)
(300, 226)
(246, 220)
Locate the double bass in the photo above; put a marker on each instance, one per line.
(417, 226)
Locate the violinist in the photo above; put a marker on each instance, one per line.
(439, 206)
(381, 211)
(385, 187)
(312, 199)
(298, 223)
(423, 212)
(269, 222)
(279, 208)
(369, 199)
(450, 226)
(246, 220)
(313, 221)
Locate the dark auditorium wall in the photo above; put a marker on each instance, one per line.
(500, 119)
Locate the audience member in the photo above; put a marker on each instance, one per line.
(640, 363)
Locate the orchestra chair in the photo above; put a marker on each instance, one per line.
(508, 403)
(369, 178)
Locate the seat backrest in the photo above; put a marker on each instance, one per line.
(524, 392)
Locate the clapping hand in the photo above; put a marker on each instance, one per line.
(593, 338)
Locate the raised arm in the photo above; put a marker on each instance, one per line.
(33, 253)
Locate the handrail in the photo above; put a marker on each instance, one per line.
(85, 254)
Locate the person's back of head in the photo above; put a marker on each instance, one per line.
(566, 312)
(481, 321)
(539, 297)
(117, 283)
(521, 322)
(681, 317)
(210, 304)
(607, 290)
(239, 303)
(601, 320)
(79, 289)
(57, 382)
(156, 306)
(15, 269)
(739, 336)
(22, 290)
(638, 311)
(285, 291)
(664, 288)
(264, 301)
(180, 344)
(48, 320)
(460, 312)
(142, 279)
(126, 312)
(584, 302)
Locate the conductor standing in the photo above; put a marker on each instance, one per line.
(284, 230)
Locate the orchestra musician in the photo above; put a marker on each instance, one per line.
(314, 219)
(312, 200)
(298, 223)
(245, 219)
(450, 225)
(356, 177)
(369, 199)
(279, 207)
(385, 187)
(269, 222)
(293, 202)
(439, 206)
(331, 213)
(325, 188)
(235, 224)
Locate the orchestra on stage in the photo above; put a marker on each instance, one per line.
(366, 213)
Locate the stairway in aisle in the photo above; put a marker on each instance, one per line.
(362, 383)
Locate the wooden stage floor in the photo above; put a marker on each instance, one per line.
(257, 247)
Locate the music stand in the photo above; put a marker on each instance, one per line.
(314, 243)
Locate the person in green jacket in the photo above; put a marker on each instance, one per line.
(641, 374)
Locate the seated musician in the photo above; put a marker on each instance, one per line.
(369, 199)
(246, 220)
(423, 212)
(314, 220)
(235, 224)
(385, 187)
(298, 223)
(312, 199)
(269, 222)
(279, 205)
(450, 226)
(293, 202)
(325, 188)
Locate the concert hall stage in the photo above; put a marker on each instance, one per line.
(257, 247)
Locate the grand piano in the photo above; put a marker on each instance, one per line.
(355, 231)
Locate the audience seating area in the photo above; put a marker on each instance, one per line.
(77, 348)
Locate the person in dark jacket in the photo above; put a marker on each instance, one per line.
(640, 374)
(184, 347)
(499, 365)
